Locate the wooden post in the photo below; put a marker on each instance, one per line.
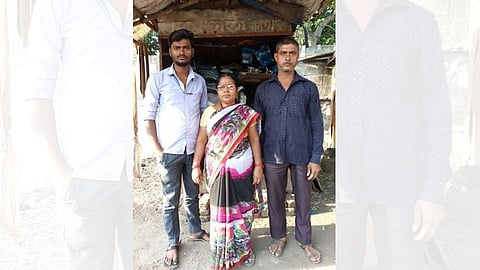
(147, 65)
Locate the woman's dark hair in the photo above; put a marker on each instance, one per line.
(230, 75)
(180, 34)
(285, 41)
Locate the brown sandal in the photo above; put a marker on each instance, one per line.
(173, 262)
(250, 261)
(201, 236)
(313, 254)
(276, 249)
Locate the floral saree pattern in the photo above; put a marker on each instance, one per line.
(229, 166)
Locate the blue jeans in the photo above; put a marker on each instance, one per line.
(173, 168)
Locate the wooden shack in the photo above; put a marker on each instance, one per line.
(223, 27)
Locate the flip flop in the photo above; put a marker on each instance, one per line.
(174, 262)
(250, 261)
(200, 236)
(313, 254)
(276, 249)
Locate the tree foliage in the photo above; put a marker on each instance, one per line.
(320, 27)
(151, 41)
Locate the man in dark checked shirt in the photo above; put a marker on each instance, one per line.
(291, 138)
(393, 133)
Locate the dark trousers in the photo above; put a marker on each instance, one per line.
(276, 179)
(393, 239)
(98, 223)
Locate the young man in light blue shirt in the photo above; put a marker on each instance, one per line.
(174, 101)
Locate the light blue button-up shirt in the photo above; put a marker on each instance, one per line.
(176, 109)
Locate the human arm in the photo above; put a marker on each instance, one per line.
(204, 99)
(436, 124)
(44, 58)
(257, 102)
(41, 119)
(435, 115)
(197, 172)
(258, 107)
(426, 219)
(316, 122)
(254, 140)
(151, 131)
(312, 170)
(151, 101)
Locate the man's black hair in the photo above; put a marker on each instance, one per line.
(180, 34)
(285, 41)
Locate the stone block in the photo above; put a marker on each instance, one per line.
(264, 212)
(290, 201)
(290, 211)
(204, 204)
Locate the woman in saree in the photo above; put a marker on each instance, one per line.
(229, 141)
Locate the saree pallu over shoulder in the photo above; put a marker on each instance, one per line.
(226, 129)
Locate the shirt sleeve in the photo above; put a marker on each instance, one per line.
(44, 49)
(257, 102)
(316, 122)
(206, 115)
(435, 111)
(204, 99)
(257, 106)
(152, 98)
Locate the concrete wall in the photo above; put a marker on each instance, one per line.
(322, 77)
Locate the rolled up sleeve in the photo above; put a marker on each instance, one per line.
(152, 96)
(44, 50)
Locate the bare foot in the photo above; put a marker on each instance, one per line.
(250, 261)
(200, 236)
(276, 249)
(171, 257)
(312, 253)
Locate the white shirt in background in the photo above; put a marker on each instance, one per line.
(89, 45)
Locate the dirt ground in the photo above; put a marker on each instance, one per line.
(38, 244)
(150, 242)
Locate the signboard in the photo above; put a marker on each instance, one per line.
(222, 22)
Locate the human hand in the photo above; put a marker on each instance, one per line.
(427, 217)
(158, 151)
(197, 175)
(257, 175)
(61, 177)
(312, 170)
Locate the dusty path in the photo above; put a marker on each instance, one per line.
(38, 243)
(150, 243)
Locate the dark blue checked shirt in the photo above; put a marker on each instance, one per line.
(292, 124)
(393, 129)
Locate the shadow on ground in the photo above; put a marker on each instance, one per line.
(150, 242)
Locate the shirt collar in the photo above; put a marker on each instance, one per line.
(295, 78)
(127, 27)
(191, 73)
(384, 4)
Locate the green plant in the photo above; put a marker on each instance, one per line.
(320, 27)
(151, 41)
